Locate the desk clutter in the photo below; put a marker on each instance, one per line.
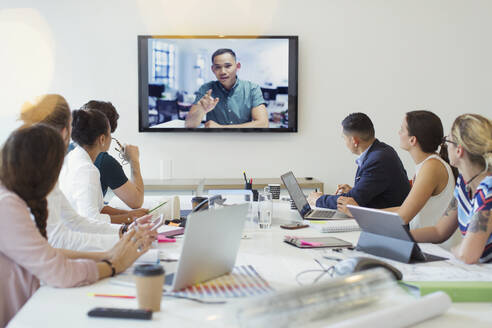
(345, 298)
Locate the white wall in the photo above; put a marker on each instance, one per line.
(380, 57)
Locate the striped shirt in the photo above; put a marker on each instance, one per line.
(467, 208)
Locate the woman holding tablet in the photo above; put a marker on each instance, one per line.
(470, 150)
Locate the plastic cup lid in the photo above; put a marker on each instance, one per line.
(147, 270)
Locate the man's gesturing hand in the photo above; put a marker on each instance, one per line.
(207, 102)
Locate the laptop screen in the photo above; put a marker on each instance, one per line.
(296, 193)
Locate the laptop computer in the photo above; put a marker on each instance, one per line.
(385, 234)
(210, 245)
(302, 204)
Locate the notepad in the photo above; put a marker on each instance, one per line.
(316, 242)
(459, 291)
(334, 226)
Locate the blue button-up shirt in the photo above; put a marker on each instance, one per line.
(234, 106)
(359, 160)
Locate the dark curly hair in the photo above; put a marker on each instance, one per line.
(32, 158)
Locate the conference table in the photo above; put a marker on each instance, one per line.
(277, 262)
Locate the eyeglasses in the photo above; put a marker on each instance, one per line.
(445, 139)
(121, 152)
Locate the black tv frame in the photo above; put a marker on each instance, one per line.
(143, 83)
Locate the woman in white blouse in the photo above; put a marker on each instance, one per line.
(79, 178)
(65, 227)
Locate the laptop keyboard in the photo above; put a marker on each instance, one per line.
(322, 214)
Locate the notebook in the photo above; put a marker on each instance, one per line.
(334, 226)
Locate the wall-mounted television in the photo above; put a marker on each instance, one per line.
(217, 83)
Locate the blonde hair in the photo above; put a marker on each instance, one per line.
(474, 133)
(51, 109)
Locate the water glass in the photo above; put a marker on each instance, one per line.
(265, 209)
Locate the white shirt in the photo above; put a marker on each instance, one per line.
(67, 229)
(79, 181)
(435, 206)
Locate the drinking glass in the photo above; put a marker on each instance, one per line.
(265, 209)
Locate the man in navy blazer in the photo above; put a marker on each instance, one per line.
(381, 180)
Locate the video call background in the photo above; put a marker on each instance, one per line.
(184, 65)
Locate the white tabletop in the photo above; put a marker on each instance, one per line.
(277, 262)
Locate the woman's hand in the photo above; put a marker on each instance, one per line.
(129, 248)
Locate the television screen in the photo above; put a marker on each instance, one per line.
(218, 83)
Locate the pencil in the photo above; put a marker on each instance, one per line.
(111, 295)
(152, 210)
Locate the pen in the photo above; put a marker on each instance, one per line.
(111, 295)
(245, 179)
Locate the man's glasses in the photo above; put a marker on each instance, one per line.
(121, 151)
(445, 139)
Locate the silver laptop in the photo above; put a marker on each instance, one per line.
(210, 245)
(302, 204)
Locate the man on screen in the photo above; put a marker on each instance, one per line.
(228, 102)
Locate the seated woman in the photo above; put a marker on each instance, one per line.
(421, 135)
(65, 227)
(79, 178)
(470, 150)
(131, 192)
(31, 161)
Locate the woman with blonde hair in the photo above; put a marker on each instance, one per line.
(470, 150)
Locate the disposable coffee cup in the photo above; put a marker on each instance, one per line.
(149, 279)
(197, 200)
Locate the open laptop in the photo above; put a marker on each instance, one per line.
(302, 204)
(385, 234)
(210, 245)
